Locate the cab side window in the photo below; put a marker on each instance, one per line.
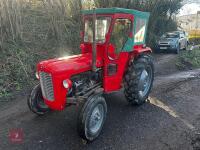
(120, 33)
(140, 30)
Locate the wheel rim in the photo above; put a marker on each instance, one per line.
(96, 119)
(145, 81)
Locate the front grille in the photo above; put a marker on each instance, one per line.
(46, 85)
(163, 43)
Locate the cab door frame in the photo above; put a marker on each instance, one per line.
(114, 68)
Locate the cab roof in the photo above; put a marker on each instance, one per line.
(114, 10)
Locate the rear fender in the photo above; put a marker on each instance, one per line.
(139, 51)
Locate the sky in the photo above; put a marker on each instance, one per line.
(189, 9)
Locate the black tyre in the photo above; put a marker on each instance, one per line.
(157, 51)
(186, 46)
(92, 117)
(36, 103)
(177, 50)
(139, 79)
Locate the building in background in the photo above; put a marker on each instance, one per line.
(190, 23)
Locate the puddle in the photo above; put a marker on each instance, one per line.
(183, 75)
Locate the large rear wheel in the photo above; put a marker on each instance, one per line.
(139, 79)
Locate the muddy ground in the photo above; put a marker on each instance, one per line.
(169, 120)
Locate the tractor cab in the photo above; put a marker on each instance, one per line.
(119, 33)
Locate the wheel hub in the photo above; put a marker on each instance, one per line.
(144, 83)
(96, 119)
(143, 80)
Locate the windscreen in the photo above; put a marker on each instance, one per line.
(102, 27)
(171, 36)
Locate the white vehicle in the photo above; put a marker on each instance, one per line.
(172, 41)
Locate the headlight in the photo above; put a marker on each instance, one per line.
(173, 42)
(37, 75)
(67, 84)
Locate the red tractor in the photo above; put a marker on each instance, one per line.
(113, 57)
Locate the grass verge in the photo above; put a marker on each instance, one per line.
(18, 66)
(188, 60)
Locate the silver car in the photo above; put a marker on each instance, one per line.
(172, 41)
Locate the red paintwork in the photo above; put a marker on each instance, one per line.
(113, 83)
(63, 68)
(138, 49)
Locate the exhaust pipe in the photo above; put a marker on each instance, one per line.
(94, 52)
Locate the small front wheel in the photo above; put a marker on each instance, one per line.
(36, 102)
(92, 117)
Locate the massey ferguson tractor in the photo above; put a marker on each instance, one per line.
(113, 57)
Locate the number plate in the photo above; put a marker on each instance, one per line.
(163, 47)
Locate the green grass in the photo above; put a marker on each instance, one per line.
(188, 60)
